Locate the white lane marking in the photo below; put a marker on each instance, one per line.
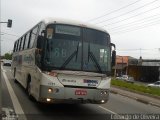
(111, 112)
(4, 70)
(107, 110)
(16, 104)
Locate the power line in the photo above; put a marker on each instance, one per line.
(114, 11)
(132, 16)
(7, 39)
(141, 52)
(137, 49)
(123, 25)
(127, 12)
(10, 34)
(136, 25)
(140, 27)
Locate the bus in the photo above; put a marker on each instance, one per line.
(63, 61)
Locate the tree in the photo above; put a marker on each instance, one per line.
(8, 56)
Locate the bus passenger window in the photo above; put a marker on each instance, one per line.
(14, 46)
(26, 41)
(33, 37)
(19, 48)
(17, 45)
(22, 41)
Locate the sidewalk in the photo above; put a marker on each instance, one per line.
(147, 99)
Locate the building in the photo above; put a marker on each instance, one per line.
(121, 67)
(149, 70)
(146, 70)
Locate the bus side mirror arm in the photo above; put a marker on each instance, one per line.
(113, 45)
(113, 54)
(43, 32)
(40, 42)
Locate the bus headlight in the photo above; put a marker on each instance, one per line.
(104, 92)
(50, 90)
(102, 101)
(48, 100)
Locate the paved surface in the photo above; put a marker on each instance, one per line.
(139, 97)
(116, 105)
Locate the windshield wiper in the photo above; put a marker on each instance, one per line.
(70, 57)
(93, 58)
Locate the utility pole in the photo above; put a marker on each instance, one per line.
(159, 52)
(140, 52)
(122, 66)
(9, 25)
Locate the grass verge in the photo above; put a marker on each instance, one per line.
(136, 87)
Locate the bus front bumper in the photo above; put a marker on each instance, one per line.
(73, 95)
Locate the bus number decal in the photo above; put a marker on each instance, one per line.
(58, 52)
(51, 84)
(64, 53)
(28, 59)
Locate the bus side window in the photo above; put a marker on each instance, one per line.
(40, 39)
(42, 28)
(14, 46)
(33, 37)
(26, 41)
(17, 45)
(22, 43)
(20, 40)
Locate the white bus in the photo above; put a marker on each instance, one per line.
(59, 61)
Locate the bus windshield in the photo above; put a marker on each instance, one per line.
(76, 48)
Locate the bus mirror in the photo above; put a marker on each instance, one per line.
(40, 42)
(113, 54)
(43, 33)
(113, 58)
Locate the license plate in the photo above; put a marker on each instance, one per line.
(80, 92)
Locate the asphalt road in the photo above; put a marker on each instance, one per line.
(35, 111)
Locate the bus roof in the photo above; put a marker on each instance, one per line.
(72, 22)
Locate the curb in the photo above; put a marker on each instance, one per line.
(154, 104)
(135, 98)
(141, 93)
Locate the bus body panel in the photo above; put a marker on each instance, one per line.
(24, 64)
(61, 86)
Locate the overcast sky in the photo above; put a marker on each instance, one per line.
(134, 25)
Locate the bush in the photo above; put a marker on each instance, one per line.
(136, 87)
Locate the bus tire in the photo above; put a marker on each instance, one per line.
(28, 88)
(14, 75)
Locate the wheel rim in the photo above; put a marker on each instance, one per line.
(14, 72)
(29, 89)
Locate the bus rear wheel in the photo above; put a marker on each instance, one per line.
(28, 89)
(14, 75)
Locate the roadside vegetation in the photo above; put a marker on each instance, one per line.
(7, 56)
(136, 87)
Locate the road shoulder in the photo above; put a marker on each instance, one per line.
(144, 98)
